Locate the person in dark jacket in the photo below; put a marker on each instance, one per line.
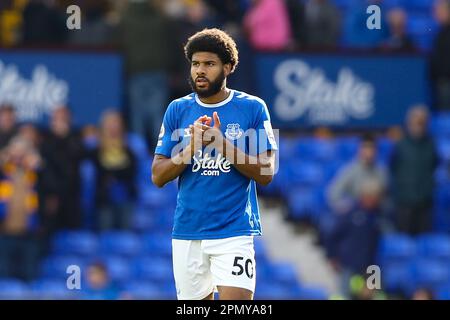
(63, 152)
(413, 163)
(148, 41)
(115, 166)
(354, 238)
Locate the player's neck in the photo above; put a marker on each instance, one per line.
(218, 97)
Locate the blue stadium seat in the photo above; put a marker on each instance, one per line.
(430, 273)
(322, 149)
(443, 293)
(441, 219)
(283, 273)
(120, 243)
(347, 148)
(396, 248)
(331, 170)
(144, 219)
(144, 172)
(443, 146)
(88, 184)
(394, 3)
(420, 5)
(423, 41)
(304, 203)
(304, 173)
(396, 277)
(420, 24)
(157, 244)
(118, 267)
(75, 242)
(157, 270)
(289, 147)
(138, 145)
(434, 246)
(385, 147)
(52, 289)
(13, 289)
(142, 290)
(271, 291)
(343, 4)
(156, 198)
(440, 125)
(442, 175)
(261, 255)
(168, 290)
(56, 266)
(314, 149)
(312, 293)
(442, 195)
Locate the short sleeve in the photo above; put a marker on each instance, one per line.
(265, 135)
(168, 137)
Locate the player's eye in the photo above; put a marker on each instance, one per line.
(210, 64)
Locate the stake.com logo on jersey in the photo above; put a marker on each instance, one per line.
(209, 162)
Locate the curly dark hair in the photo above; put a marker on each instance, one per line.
(215, 41)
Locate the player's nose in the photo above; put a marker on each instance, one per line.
(200, 71)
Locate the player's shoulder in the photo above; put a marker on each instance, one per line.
(182, 102)
(249, 99)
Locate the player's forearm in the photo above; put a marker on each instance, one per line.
(259, 169)
(165, 170)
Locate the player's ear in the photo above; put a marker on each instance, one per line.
(227, 69)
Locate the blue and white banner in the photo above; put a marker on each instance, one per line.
(36, 82)
(340, 91)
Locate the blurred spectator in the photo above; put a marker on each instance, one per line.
(296, 11)
(6, 4)
(30, 133)
(60, 184)
(43, 23)
(323, 24)
(18, 210)
(10, 21)
(150, 56)
(398, 39)
(354, 239)
(267, 25)
(8, 127)
(344, 189)
(229, 12)
(98, 284)
(90, 136)
(413, 162)
(116, 171)
(96, 28)
(360, 291)
(197, 17)
(440, 62)
(422, 294)
(356, 34)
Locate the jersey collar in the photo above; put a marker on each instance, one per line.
(215, 105)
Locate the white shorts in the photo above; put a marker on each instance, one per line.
(200, 266)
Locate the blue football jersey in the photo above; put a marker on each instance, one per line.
(215, 200)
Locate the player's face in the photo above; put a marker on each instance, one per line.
(207, 73)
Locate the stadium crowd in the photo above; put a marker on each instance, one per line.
(42, 191)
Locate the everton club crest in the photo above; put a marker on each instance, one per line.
(233, 131)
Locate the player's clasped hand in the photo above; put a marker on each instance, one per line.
(202, 134)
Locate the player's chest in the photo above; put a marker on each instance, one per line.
(233, 125)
